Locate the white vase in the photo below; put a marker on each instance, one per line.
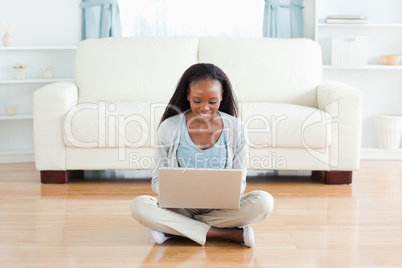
(20, 73)
(7, 40)
(11, 109)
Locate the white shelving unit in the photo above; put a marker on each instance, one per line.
(367, 67)
(16, 117)
(365, 25)
(16, 131)
(35, 81)
(36, 48)
(381, 85)
(376, 153)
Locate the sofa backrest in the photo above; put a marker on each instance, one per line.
(147, 69)
(266, 69)
(132, 69)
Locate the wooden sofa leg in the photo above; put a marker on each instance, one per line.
(54, 176)
(60, 176)
(338, 177)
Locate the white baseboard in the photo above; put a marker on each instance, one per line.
(17, 157)
(380, 154)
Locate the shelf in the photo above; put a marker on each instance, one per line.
(16, 117)
(30, 81)
(15, 152)
(380, 154)
(39, 48)
(17, 156)
(359, 25)
(367, 67)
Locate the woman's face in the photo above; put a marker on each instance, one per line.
(205, 96)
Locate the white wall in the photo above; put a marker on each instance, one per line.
(43, 22)
(58, 22)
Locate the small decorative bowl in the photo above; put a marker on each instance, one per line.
(391, 59)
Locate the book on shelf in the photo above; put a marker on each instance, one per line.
(347, 19)
(353, 17)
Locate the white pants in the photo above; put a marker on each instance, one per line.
(255, 206)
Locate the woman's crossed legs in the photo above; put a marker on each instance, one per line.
(200, 224)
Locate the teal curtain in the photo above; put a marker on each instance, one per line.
(100, 18)
(283, 19)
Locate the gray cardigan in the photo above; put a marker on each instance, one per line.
(167, 141)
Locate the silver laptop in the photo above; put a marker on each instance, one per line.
(199, 188)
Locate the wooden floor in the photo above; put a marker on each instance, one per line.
(88, 224)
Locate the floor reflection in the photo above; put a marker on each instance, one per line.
(182, 252)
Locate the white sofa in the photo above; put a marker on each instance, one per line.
(107, 118)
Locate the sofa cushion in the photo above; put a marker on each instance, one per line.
(274, 70)
(286, 125)
(134, 124)
(132, 68)
(112, 125)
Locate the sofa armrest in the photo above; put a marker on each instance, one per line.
(50, 104)
(344, 104)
